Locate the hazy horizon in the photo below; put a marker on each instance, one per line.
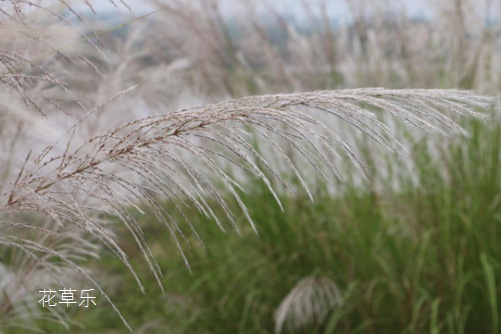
(336, 9)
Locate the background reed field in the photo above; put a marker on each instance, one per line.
(217, 167)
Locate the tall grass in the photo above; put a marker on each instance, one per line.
(64, 189)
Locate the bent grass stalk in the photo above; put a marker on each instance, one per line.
(152, 158)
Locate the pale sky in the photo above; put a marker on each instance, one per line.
(337, 8)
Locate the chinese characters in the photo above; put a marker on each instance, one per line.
(67, 296)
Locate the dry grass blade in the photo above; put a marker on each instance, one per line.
(307, 305)
(155, 148)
